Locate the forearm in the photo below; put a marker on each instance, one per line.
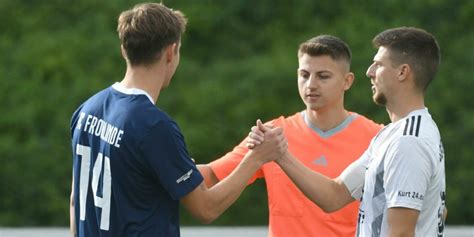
(208, 174)
(225, 193)
(328, 194)
(72, 219)
(400, 234)
(72, 222)
(208, 204)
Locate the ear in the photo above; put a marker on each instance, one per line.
(348, 80)
(404, 72)
(170, 52)
(124, 54)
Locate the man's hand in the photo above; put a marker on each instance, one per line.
(256, 134)
(269, 143)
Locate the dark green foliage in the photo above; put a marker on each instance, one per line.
(238, 63)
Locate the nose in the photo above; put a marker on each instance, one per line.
(313, 82)
(370, 71)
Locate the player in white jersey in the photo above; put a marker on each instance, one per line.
(403, 167)
(400, 179)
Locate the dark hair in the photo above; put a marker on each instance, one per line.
(147, 29)
(326, 45)
(415, 47)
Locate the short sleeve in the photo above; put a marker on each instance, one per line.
(76, 116)
(408, 169)
(354, 175)
(165, 150)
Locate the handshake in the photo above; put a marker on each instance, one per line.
(266, 142)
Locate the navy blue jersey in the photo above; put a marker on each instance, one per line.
(130, 166)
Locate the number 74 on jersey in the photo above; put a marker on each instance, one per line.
(101, 202)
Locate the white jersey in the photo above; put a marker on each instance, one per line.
(403, 167)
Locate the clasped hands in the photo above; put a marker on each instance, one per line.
(268, 142)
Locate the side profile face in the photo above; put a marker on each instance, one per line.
(322, 81)
(382, 75)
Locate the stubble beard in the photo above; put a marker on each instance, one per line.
(380, 99)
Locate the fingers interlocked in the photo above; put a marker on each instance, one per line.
(269, 142)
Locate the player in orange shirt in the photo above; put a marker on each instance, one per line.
(325, 137)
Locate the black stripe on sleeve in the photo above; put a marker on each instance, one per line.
(418, 122)
(406, 127)
(412, 124)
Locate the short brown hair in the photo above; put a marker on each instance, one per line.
(326, 45)
(415, 47)
(147, 29)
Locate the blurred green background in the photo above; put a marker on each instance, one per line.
(238, 63)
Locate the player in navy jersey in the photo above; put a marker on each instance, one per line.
(131, 168)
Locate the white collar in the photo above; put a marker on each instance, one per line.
(131, 91)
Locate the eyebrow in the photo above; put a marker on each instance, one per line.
(376, 61)
(318, 72)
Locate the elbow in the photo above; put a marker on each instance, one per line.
(207, 221)
(329, 209)
(206, 216)
(334, 202)
(206, 213)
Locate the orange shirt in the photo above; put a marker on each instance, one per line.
(291, 213)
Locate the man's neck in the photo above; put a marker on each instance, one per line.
(404, 105)
(149, 79)
(327, 119)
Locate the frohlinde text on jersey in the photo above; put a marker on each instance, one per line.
(100, 128)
